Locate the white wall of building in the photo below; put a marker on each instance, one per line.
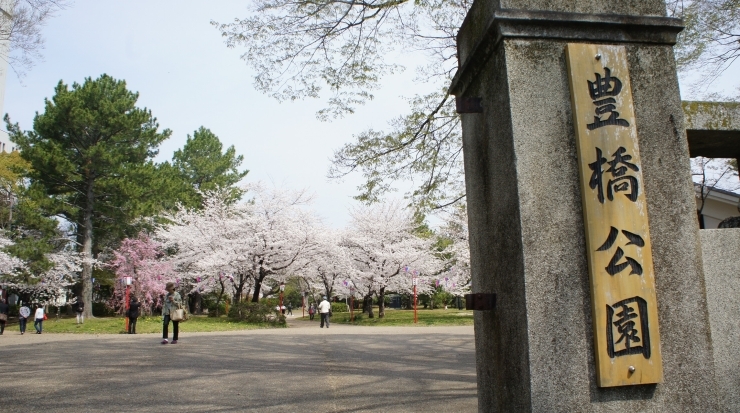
(718, 206)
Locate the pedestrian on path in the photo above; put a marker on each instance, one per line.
(23, 314)
(80, 309)
(38, 322)
(172, 302)
(290, 309)
(3, 314)
(133, 314)
(311, 312)
(324, 309)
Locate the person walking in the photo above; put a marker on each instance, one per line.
(80, 310)
(311, 312)
(324, 309)
(133, 314)
(290, 309)
(172, 302)
(38, 322)
(23, 314)
(3, 314)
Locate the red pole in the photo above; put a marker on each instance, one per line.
(352, 309)
(281, 303)
(304, 306)
(416, 320)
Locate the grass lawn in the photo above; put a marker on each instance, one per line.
(451, 317)
(115, 325)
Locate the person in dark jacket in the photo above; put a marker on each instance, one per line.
(80, 311)
(311, 312)
(133, 314)
(3, 314)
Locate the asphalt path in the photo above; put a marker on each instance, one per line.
(299, 369)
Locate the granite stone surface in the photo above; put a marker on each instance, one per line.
(720, 251)
(713, 129)
(534, 352)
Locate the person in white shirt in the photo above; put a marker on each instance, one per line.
(39, 319)
(324, 309)
(23, 315)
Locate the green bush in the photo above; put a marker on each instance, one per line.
(212, 309)
(101, 310)
(13, 310)
(258, 313)
(442, 298)
(339, 308)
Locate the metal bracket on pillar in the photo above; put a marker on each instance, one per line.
(468, 105)
(480, 301)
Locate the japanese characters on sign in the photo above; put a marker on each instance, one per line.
(630, 319)
(624, 306)
(602, 91)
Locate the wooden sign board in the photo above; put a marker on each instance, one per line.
(625, 311)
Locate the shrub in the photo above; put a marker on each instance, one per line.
(339, 308)
(212, 309)
(102, 310)
(271, 302)
(442, 298)
(13, 310)
(260, 313)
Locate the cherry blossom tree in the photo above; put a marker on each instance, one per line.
(283, 234)
(144, 260)
(456, 279)
(206, 245)
(382, 245)
(328, 268)
(244, 246)
(50, 286)
(9, 264)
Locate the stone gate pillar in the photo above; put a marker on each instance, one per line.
(536, 350)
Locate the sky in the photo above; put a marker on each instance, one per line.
(169, 52)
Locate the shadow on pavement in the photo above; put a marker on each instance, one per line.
(244, 372)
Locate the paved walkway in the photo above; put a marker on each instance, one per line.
(301, 368)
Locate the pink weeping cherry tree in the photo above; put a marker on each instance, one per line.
(142, 259)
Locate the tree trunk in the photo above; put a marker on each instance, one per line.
(220, 296)
(381, 303)
(258, 286)
(198, 303)
(239, 289)
(87, 244)
(369, 305)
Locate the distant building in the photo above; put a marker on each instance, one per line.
(719, 205)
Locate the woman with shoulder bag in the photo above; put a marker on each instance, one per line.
(172, 302)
